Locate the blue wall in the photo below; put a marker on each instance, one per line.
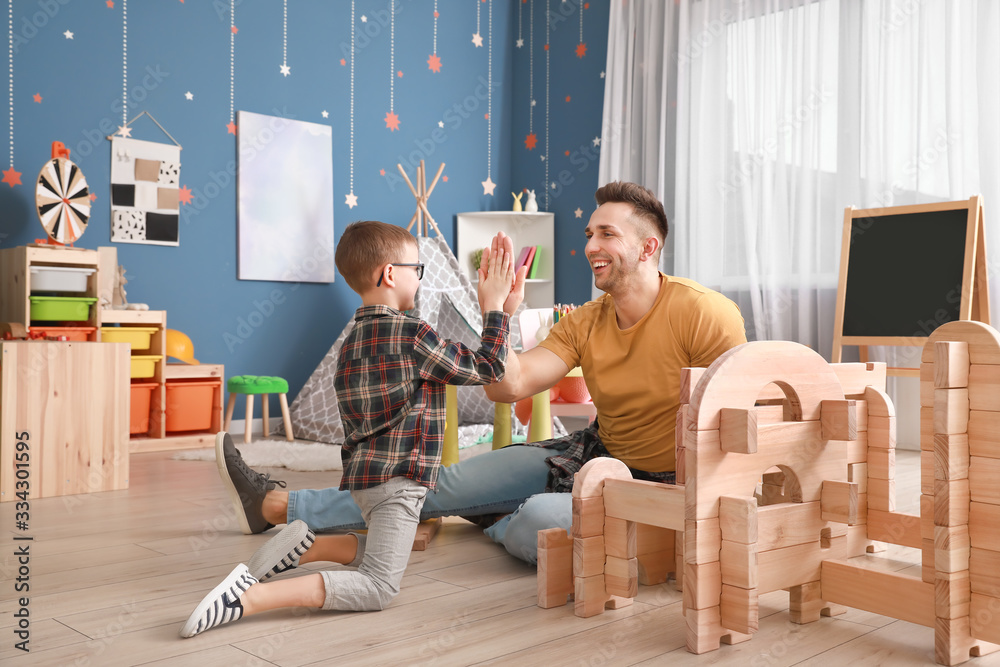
(175, 47)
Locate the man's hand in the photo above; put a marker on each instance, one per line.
(503, 243)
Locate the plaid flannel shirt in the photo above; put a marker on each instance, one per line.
(390, 382)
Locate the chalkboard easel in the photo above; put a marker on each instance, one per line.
(906, 270)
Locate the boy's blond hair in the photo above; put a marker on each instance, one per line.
(365, 247)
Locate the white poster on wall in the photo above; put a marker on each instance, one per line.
(145, 178)
(285, 199)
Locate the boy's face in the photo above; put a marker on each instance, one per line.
(407, 277)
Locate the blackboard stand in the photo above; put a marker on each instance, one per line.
(905, 270)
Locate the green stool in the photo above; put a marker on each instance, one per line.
(252, 385)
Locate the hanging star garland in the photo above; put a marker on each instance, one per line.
(433, 61)
(488, 184)
(531, 140)
(581, 48)
(351, 200)
(231, 125)
(477, 38)
(285, 69)
(124, 130)
(391, 119)
(11, 176)
(520, 15)
(548, 69)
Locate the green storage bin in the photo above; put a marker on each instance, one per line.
(61, 308)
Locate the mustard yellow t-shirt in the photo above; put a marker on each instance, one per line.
(634, 374)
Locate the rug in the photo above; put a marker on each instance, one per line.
(309, 457)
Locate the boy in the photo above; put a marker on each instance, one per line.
(390, 388)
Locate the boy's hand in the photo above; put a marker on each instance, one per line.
(503, 243)
(496, 274)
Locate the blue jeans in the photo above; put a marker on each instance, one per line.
(496, 482)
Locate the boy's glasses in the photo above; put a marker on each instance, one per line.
(419, 266)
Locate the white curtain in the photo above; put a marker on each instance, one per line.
(759, 121)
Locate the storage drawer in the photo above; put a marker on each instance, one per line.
(60, 278)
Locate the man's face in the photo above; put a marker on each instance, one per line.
(613, 245)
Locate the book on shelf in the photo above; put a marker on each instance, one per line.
(522, 258)
(530, 260)
(535, 261)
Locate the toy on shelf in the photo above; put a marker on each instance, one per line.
(531, 206)
(180, 347)
(788, 469)
(62, 199)
(517, 202)
(118, 301)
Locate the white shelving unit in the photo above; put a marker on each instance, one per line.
(475, 231)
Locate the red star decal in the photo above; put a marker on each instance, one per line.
(568, 98)
(235, 29)
(37, 97)
(567, 153)
(343, 61)
(231, 127)
(434, 63)
(381, 172)
(110, 4)
(546, 47)
(445, 179)
(436, 15)
(581, 50)
(486, 116)
(93, 197)
(572, 252)
(531, 141)
(11, 177)
(400, 74)
(184, 195)
(392, 121)
(586, 5)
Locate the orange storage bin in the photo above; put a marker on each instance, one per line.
(138, 421)
(189, 404)
(80, 334)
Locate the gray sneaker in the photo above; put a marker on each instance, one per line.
(246, 487)
(282, 552)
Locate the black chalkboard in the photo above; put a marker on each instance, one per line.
(904, 273)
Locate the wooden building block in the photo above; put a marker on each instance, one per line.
(680, 459)
(588, 516)
(839, 502)
(620, 537)
(881, 432)
(588, 556)
(984, 617)
(858, 473)
(839, 419)
(952, 640)
(589, 482)
(621, 576)
(984, 433)
(689, 379)
(881, 494)
(645, 502)
(983, 521)
(702, 585)
(984, 387)
(951, 502)
(702, 541)
(678, 559)
(951, 411)
(952, 594)
(877, 402)
(926, 517)
(927, 429)
(650, 539)
(555, 567)
(791, 566)
(951, 456)
(984, 571)
(857, 450)
(738, 519)
(927, 385)
(857, 540)
(886, 593)
(896, 528)
(426, 530)
(787, 525)
(805, 602)
(984, 480)
(951, 364)
(618, 602)
(927, 472)
(739, 609)
(738, 430)
(656, 567)
(882, 463)
(590, 596)
(704, 629)
(739, 564)
(928, 569)
(951, 548)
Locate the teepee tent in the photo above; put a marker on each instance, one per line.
(448, 302)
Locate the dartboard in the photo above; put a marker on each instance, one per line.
(63, 200)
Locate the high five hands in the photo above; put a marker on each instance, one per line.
(497, 277)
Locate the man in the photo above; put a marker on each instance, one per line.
(631, 344)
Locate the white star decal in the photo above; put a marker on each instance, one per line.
(488, 186)
(124, 131)
(477, 39)
(553, 185)
(286, 70)
(578, 212)
(543, 157)
(68, 34)
(533, 102)
(364, 19)
(597, 141)
(440, 123)
(519, 43)
(326, 114)
(602, 75)
(351, 200)
(189, 95)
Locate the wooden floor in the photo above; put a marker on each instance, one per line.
(114, 575)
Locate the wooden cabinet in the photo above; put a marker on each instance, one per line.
(474, 231)
(69, 403)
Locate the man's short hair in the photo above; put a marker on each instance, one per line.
(645, 205)
(365, 247)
